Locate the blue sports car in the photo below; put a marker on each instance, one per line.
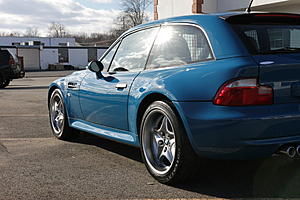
(222, 86)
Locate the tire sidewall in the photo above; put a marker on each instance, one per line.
(6, 82)
(178, 130)
(60, 134)
(2, 85)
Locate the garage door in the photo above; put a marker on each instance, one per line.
(31, 58)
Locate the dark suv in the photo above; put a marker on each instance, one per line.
(10, 68)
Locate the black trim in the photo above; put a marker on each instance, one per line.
(264, 18)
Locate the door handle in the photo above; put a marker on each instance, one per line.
(121, 86)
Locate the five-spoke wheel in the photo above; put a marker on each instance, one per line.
(159, 142)
(57, 113)
(164, 145)
(58, 117)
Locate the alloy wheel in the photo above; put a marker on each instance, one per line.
(57, 115)
(159, 142)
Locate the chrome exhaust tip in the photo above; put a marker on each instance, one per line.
(298, 150)
(290, 151)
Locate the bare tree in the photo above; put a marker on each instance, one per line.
(57, 30)
(32, 32)
(134, 11)
(11, 34)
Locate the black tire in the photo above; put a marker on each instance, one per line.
(58, 117)
(6, 82)
(157, 147)
(2, 81)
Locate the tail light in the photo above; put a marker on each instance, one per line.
(244, 92)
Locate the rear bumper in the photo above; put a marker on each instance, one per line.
(17, 72)
(14, 72)
(240, 132)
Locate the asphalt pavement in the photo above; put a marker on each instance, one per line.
(35, 165)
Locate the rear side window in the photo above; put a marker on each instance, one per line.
(269, 39)
(179, 45)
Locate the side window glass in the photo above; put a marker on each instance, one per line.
(108, 57)
(133, 51)
(179, 45)
(251, 39)
(279, 38)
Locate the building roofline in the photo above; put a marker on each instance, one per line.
(54, 47)
(37, 37)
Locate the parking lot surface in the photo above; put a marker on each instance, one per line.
(35, 165)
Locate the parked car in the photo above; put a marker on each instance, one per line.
(10, 68)
(221, 86)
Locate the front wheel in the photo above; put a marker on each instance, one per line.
(165, 148)
(4, 82)
(58, 117)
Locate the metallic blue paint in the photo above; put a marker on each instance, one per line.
(240, 132)
(213, 131)
(107, 132)
(281, 74)
(102, 103)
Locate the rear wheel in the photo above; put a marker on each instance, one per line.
(165, 148)
(58, 117)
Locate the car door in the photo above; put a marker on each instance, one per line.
(104, 98)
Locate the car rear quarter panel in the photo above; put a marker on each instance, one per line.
(196, 82)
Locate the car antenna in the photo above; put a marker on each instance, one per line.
(248, 10)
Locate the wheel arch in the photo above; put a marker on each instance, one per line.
(50, 91)
(147, 101)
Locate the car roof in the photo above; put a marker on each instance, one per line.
(195, 18)
(216, 25)
(224, 42)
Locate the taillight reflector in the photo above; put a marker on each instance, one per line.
(244, 92)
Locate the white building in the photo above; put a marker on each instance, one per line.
(39, 52)
(45, 41)
(171, 8)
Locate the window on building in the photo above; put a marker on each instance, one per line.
(133, 52)
(63, 44)
(179, 45)
(63, 55)
(92, 54)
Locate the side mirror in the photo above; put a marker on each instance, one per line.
(95, 66)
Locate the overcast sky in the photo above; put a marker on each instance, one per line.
(77, 15)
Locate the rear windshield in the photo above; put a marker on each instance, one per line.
(269, 39)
